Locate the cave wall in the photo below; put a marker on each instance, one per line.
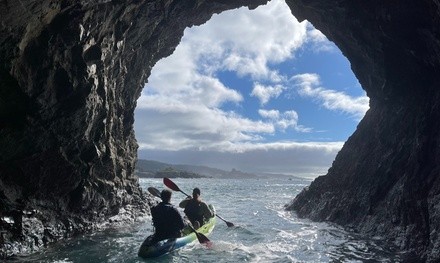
(71, 71)
(385, 180)
(70, 75)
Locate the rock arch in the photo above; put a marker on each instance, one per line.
(71, 72)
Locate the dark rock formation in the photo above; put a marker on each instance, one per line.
(386, 179)
(71, 71)
(70, 75)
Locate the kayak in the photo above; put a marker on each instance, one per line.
(151, 249)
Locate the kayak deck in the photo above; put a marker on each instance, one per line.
(150, 248)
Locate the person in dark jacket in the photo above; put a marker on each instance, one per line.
(167, 221)
(196, 210)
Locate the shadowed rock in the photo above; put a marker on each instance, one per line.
(71, 71)
(385, 180)
(70, 75)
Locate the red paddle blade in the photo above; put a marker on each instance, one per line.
(170, 184)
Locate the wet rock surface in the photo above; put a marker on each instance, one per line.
(385, 180)
(70, 75)
(71, 71)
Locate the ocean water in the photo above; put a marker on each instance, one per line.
(263, 231)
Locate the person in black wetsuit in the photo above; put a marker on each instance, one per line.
(196, 210)
(167, 221)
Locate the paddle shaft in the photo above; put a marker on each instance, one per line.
(224, 220)
(184, 193)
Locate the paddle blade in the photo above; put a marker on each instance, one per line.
(154, 191)
(229, 224)
(170, 184)
(203, 239)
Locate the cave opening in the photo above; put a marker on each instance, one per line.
(251, 87)
(76, 134)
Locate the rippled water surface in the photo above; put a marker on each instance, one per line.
(264, 232)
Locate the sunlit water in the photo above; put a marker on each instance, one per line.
(264, 231)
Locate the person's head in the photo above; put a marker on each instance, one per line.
(196, 193)
(165, 195)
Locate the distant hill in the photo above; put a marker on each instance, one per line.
(151, 166)
(154, 169)
(218, 173)
(214, 172)
(170, 172)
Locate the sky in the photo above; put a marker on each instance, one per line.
(253, 90)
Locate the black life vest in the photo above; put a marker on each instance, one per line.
(167, 221)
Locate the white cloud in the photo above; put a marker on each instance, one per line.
(172, 125)
(284, 120)
(180, 106)
(264, 93)
(180, 109)
(211, 92)
(270, 114)
(304, 159)
(247, 40)
(309, 85)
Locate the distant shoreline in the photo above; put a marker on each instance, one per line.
(156, 169)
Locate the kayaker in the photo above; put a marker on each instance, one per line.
(196, 210)
(167, 221)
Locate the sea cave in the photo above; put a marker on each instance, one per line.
(71, 72)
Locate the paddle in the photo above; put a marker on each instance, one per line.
(200, 237)
(170, 184)
(154, 191)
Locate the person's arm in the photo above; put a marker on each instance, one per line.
(184, 202)
(153, 216)
(206, 211)
(179, 219)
